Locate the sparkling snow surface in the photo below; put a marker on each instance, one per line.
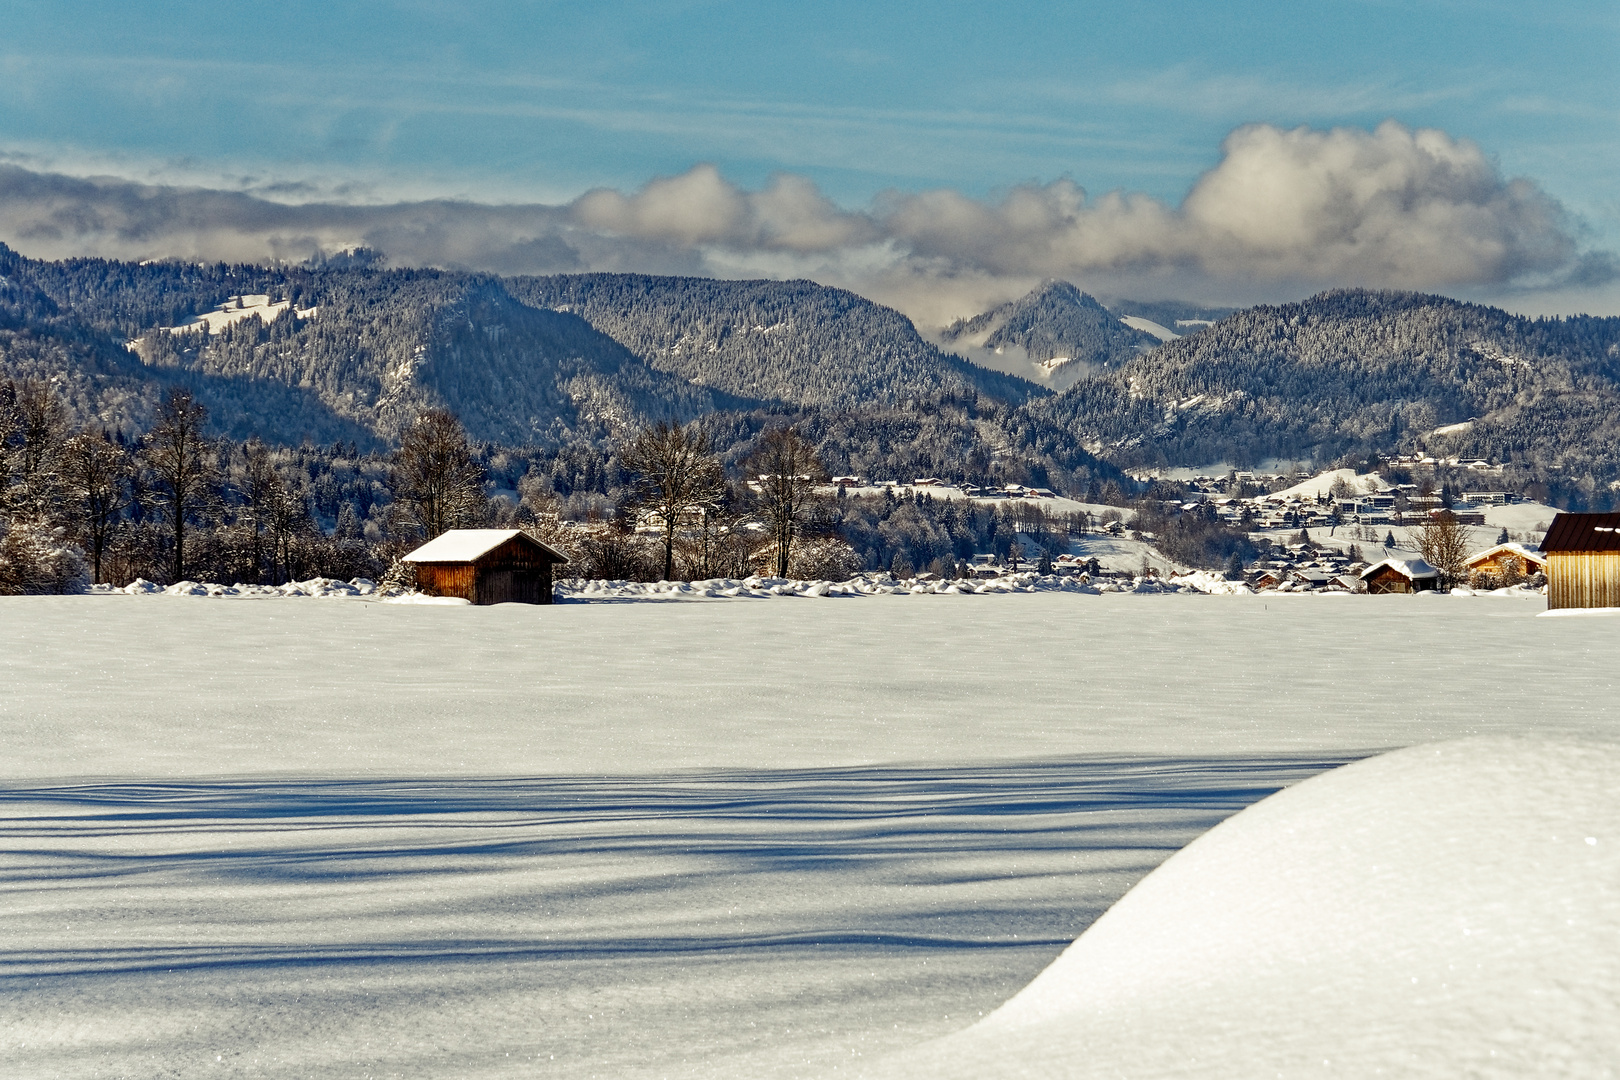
(1445, 910)
(302, 836)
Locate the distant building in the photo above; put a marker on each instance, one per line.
(486, 566)
(1400, 576)
(1583, 561)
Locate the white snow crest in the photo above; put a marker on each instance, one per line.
(1444, 910)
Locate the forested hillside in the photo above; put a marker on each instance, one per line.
(351, 354)
(354, 355)
(793, 342)
(1354, 370)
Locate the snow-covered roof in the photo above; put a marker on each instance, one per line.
(1528, 554)
(465, 545)
(1411, 569)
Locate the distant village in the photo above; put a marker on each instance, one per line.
(1333, 532)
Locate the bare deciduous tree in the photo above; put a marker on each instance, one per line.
(786, 471)
(436, 480)
(96, 476)
(180, 459)
(679, 481)
(1444, 545)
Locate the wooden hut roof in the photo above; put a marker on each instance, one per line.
(470, 545)
(1411, 569)
(1583, 532)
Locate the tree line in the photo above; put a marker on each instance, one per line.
(714, 498)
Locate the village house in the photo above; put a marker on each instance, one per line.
(486, 566)
(1507, 562)
(1400, 576)
(1583, 561)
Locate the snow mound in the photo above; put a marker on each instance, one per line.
(574, 590)
(423, 598)
(1446, 910)
(579, 589)
(318, 586)
(1206, 581)
(1507, 591)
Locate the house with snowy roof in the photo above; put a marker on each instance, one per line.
(1505, 561)
(1400, 576)
(486, 566)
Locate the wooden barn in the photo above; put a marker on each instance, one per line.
(1400, 576)
(1583, 561)
(486, 566)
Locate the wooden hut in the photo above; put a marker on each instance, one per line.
(1400, 576)
(1583, 561)
(486, 566)
(1506, 561)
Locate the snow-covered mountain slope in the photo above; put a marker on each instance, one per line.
(1056, 321)
(1148, 326)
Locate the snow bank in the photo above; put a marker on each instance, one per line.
(763, 587)
(1578, 612)
(581, 590)
(1507, 591)
(575, 589)
(1445, 910)
(313, 587)
(422, 598)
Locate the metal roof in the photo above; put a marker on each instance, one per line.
(1583, 532)
(468, 545)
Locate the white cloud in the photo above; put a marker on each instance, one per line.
(1284, 212)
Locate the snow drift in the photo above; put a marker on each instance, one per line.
(1446, 910)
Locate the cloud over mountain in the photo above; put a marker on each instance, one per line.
(1282, 210)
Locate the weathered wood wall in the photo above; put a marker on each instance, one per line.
(1583, 579)
(512, 573)
(447, 579)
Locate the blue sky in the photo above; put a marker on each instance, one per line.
(539, 102)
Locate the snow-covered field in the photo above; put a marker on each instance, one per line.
(332, 837)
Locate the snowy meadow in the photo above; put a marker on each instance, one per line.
(794, 836)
